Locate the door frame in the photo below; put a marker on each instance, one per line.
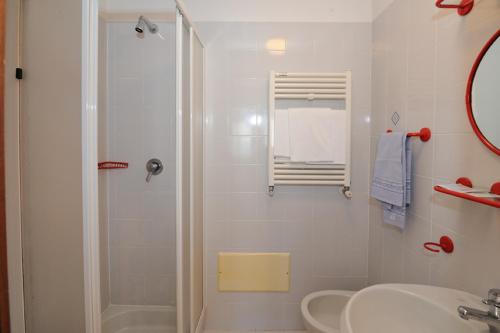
(90, 37)
(179, 26)
(12, 178)
(4, 282)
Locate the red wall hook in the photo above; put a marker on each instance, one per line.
(445, 244)
(463, 8)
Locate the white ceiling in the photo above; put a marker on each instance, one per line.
(260, 10)
(281, 10)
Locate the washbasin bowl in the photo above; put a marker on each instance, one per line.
(402, 308)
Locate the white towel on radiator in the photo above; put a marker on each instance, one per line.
(281, 134)
(317, 135)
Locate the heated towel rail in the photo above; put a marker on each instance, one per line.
(310, 87)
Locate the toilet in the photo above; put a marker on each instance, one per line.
(321, 310)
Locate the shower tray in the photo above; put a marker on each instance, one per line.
(139, 319)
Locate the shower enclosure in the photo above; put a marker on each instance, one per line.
(110, 115)
(137, 205)
(150, 133)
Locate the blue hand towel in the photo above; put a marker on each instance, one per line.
(392, 177)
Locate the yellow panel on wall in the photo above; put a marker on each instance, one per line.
(254, 271)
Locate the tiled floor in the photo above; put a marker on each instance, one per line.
(159, 329)
(252, 331)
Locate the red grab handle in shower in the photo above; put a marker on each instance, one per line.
(112, 165)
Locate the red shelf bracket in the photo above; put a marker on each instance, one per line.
(495, 189)
(463, 8)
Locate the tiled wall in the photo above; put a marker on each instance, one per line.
(326, 234)
(421, 61)
(141, 125)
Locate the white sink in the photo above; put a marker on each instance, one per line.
(402, 308)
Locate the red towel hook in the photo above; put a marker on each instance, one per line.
(424, 134)
(445, 244)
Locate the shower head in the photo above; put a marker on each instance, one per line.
(139, 27)
(153, 28)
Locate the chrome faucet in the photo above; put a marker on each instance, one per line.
(153, 167)
(491, 317)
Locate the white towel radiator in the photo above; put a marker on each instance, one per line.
(309, 86)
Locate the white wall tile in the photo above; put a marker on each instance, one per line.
(454, 156)
(392, 256)
(353, 283)
(242, 149)
(441, 47)
(160, 289)
(127, 233)
(127, 289)
(416, 268)
(421, 197)
(292, 317)
(141, 118)
(316, 225)
(271, 208)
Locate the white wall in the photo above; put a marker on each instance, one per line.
(141, 125)
(281, 10)
(51, 166)
(378, 6)
(422, 58)
(326, 234)
(13, 171)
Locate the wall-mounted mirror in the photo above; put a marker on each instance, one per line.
(483, 94)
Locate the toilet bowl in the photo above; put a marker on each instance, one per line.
(321, 310)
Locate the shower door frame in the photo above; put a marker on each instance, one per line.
(90, 23)
(92, 293)
(183, 282)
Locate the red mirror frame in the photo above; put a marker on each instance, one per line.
(468, 95)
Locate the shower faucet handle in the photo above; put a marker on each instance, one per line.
(154, 167)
